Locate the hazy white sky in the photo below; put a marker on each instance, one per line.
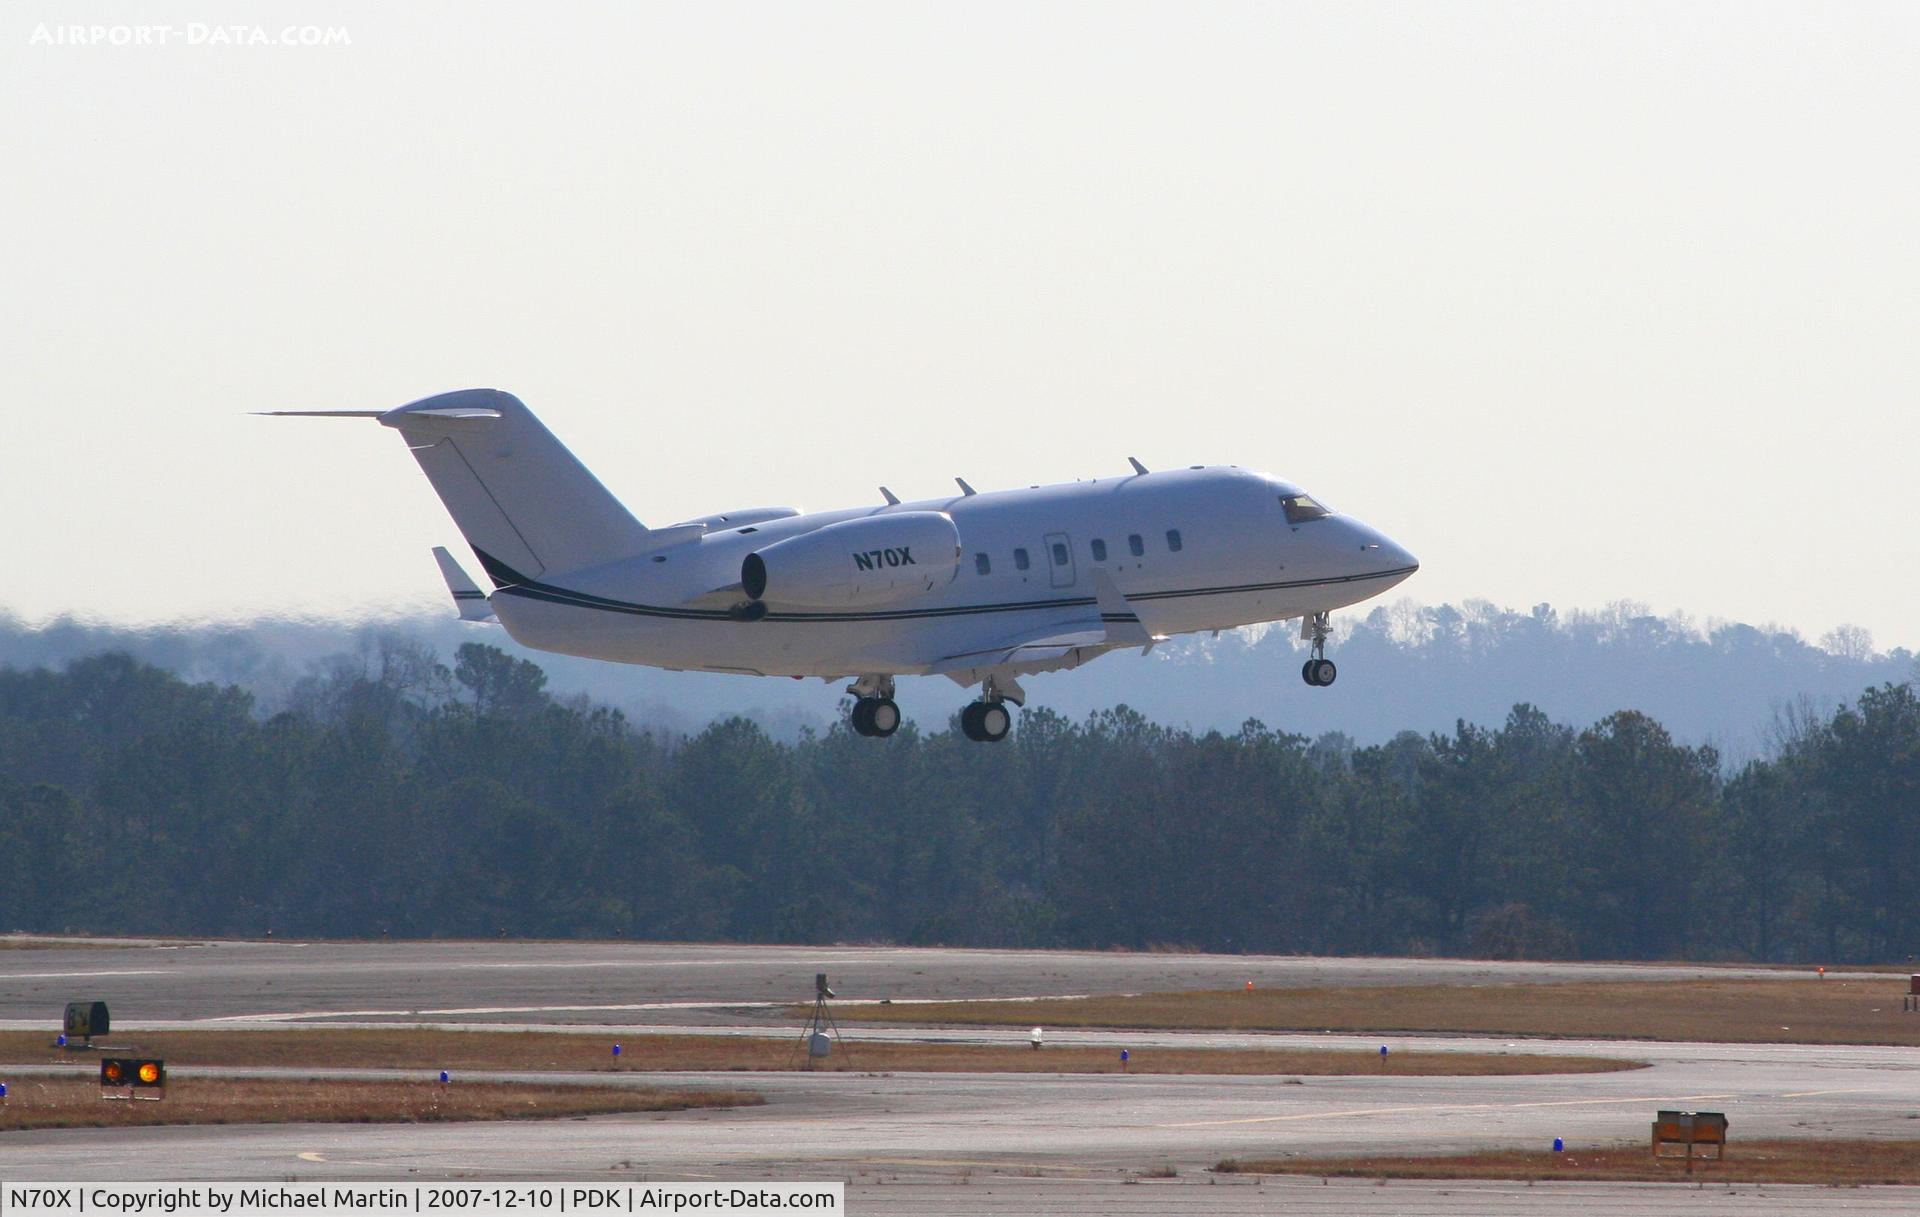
(1579, 302)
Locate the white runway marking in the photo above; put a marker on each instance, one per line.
(297, 1015)
(72, 975)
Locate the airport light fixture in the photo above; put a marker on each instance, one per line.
(133, 1078)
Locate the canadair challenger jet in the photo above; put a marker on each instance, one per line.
(982, 588)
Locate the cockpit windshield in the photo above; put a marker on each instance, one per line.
(1300, 508)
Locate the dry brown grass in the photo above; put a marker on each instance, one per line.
(76, 1102)
(1832, 1162)
(1728, 1011)
(404, 1048)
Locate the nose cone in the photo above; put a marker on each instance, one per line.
(1381, 553)
(1397, 554)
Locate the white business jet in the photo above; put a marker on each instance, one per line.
(983, 588)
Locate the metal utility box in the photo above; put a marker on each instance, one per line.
(1691, 1128)
(86, 1019)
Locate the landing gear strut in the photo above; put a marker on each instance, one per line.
(874, 713)
(988, 720)
(1318, 671)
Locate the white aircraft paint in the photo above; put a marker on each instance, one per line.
(981, 587)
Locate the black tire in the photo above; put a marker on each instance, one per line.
(995, 722)
(862, 716)
(883, 717)
(1306, 672)
(970, 721)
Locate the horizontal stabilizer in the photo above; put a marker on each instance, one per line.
(467, 596)
(318, 413)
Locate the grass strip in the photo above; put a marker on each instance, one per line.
(1831, 1162)
(76, 1102)
(1798, 1010)
(436, 1048)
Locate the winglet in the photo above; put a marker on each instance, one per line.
(467, 596)
(1137, 466)
(964, 488)
(1116, 613)
(893, 500)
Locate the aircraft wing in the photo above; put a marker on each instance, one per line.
(730, 596)
(1041, 650)
(1110, 624)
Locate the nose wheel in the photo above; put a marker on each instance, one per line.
(1318, 671)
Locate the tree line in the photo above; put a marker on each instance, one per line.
(400, 795)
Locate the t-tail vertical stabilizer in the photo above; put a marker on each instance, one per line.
(524, 503)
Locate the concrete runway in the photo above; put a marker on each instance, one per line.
(956, 1143)
(568, 982)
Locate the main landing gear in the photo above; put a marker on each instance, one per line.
(988, 720)
(874, 713)
(1318, 671)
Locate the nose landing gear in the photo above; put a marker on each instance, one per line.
(1318, 671)
(874, 714)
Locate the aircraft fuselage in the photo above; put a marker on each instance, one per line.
(1239, 561)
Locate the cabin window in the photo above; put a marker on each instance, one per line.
(1136, 546)
(1300, 508)
(1173, 539)
(1059, 553)
(1099, 548)
(982, 564)
(1020, 559)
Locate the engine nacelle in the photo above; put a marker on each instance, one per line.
(856, 563)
